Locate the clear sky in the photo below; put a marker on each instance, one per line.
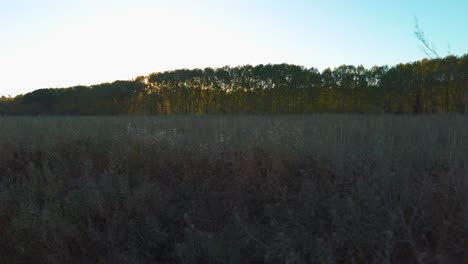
(47, 43)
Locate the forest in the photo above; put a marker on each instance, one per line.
(251, 164)
(233, 132)
(427, 86)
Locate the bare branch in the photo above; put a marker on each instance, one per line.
(423, 49)
(427, 47)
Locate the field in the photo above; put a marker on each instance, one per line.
(234, 189)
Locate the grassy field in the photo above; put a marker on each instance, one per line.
(234, 189)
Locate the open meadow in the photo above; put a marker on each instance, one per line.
(324, 188)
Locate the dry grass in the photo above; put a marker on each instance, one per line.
(234, 189)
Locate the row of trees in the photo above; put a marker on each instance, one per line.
(426, 86)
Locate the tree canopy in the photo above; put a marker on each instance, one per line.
(426, 86)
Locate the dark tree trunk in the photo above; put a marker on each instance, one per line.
(447, 103)
(466, 97)
(417, 103)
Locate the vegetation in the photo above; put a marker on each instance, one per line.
(235, 189)
(427, 86)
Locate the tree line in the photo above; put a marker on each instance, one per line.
(426, 86)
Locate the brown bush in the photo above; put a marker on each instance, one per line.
(234, 189)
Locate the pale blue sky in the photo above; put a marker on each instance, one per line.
(61, 43)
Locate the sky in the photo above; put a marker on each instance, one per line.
(61, 43)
